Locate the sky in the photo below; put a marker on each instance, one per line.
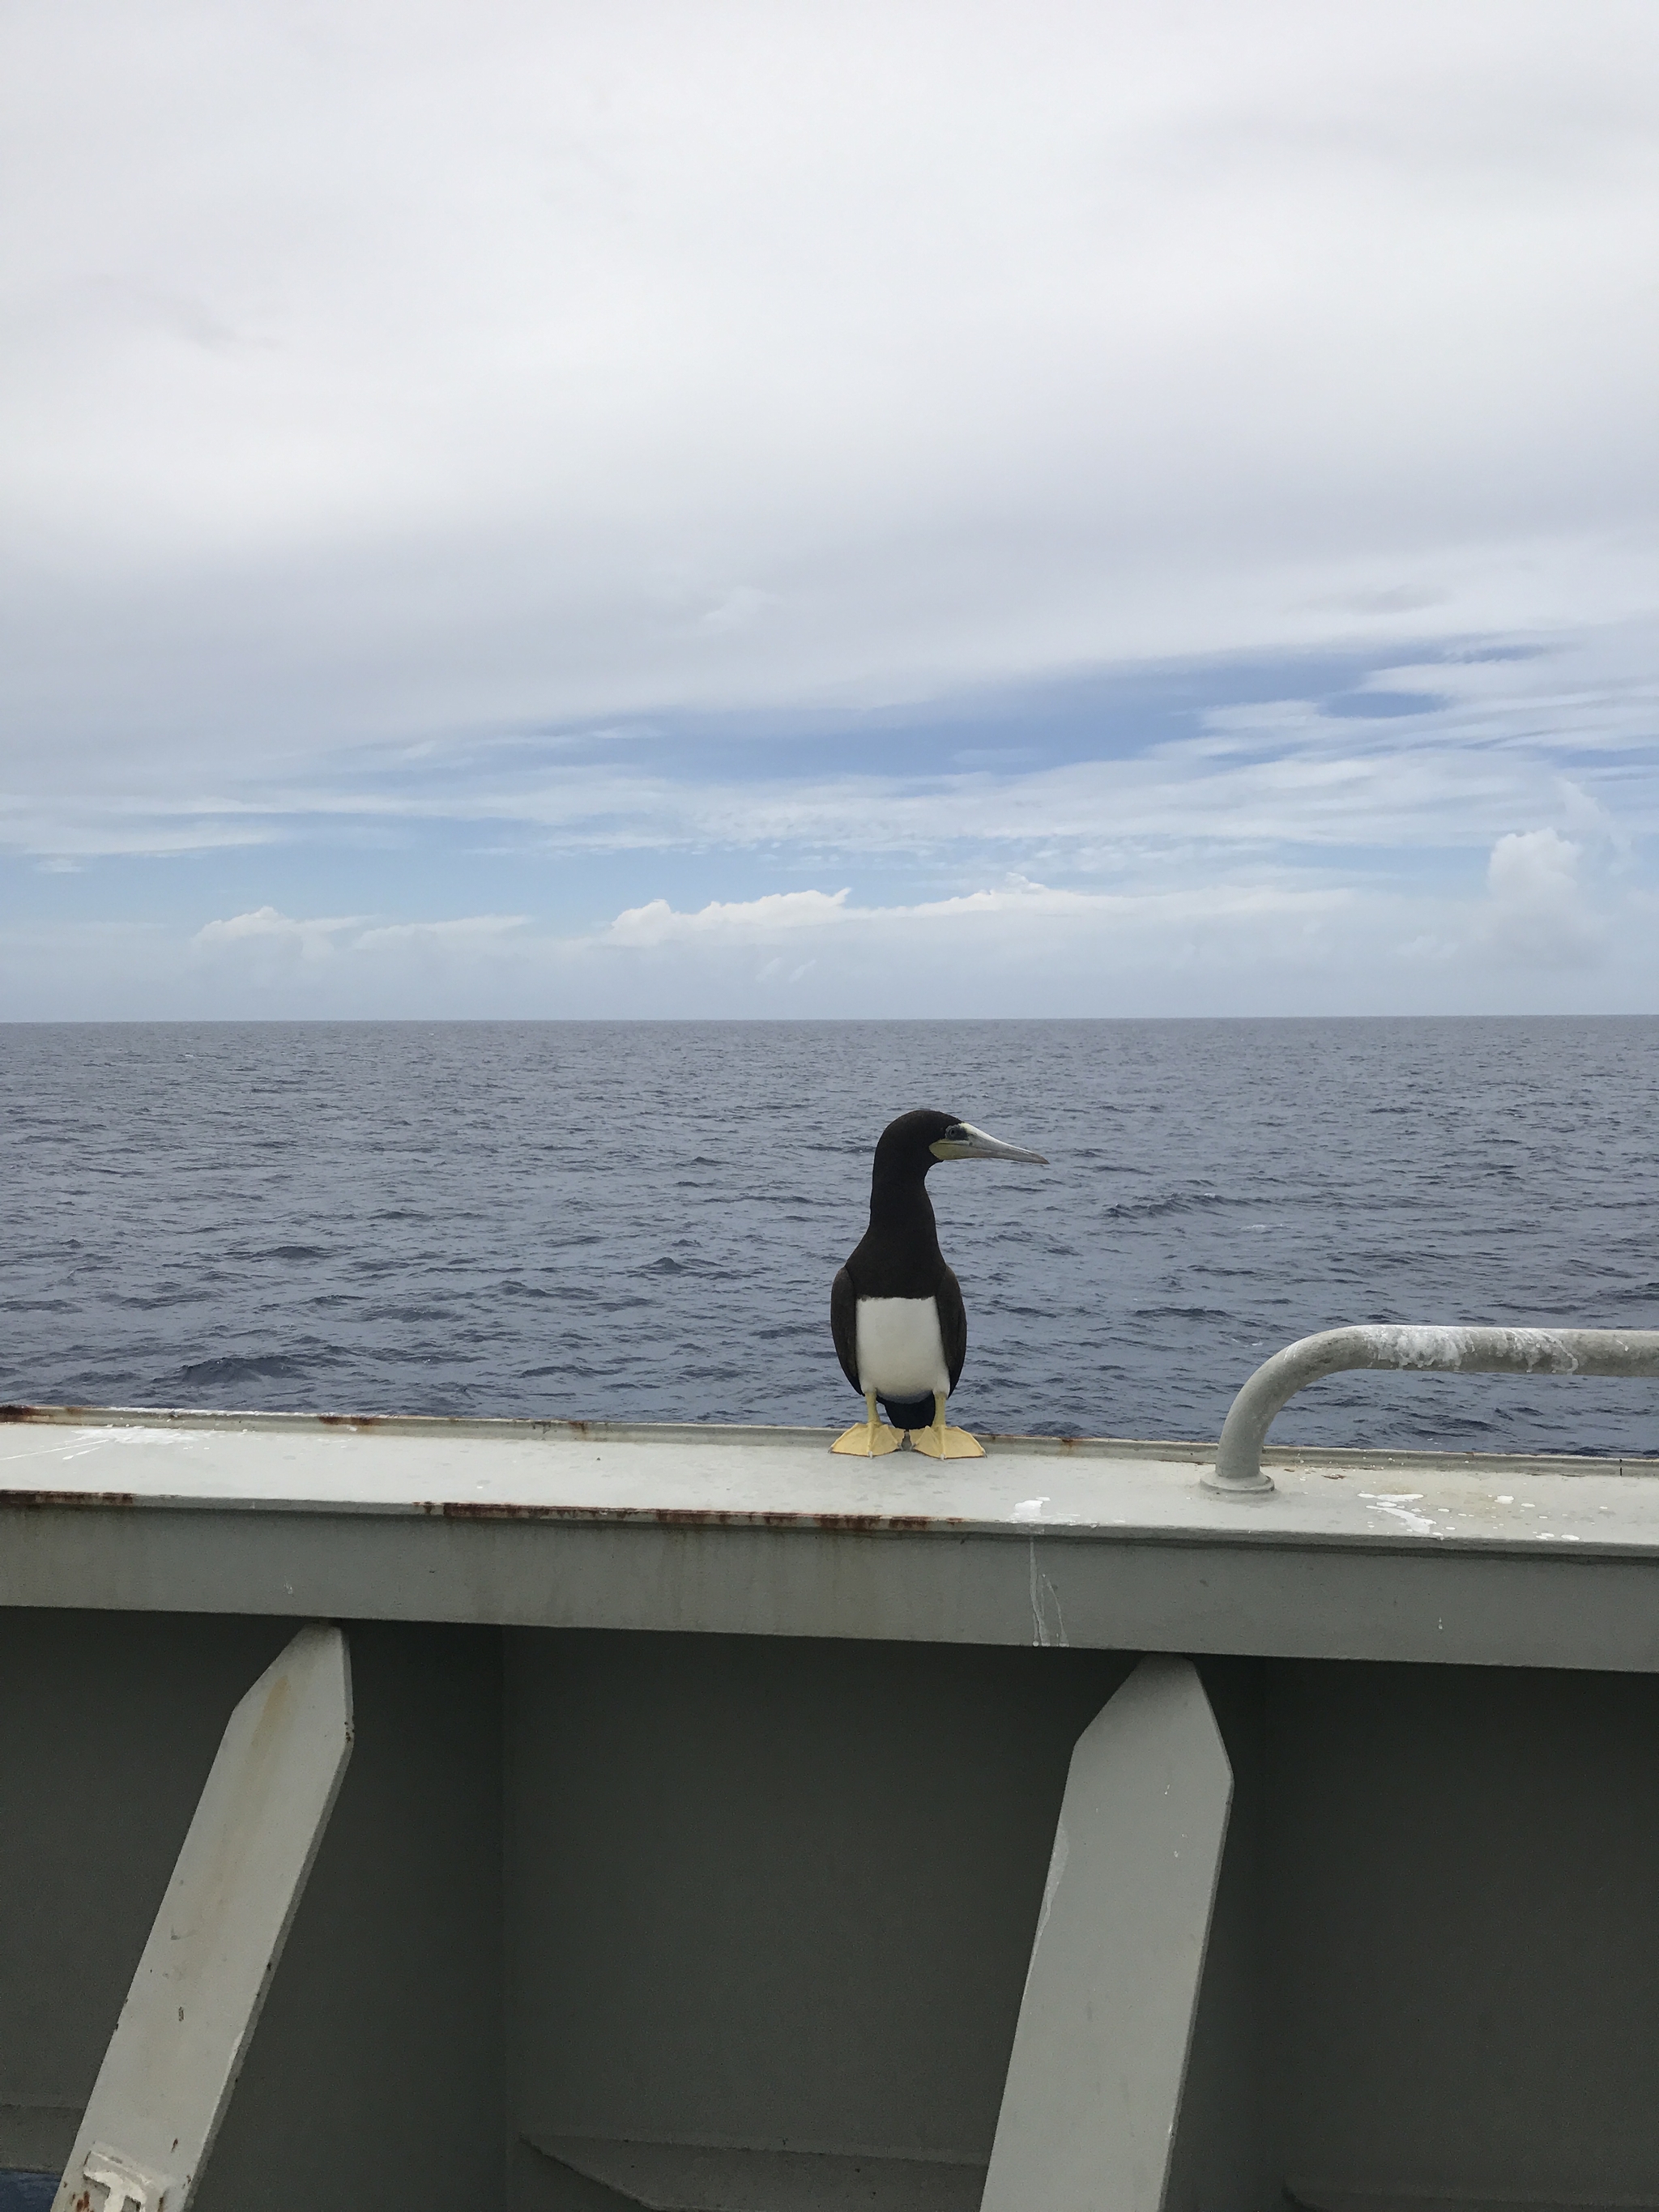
(528, 510)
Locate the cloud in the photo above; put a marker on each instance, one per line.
(1565, 733)
(1534, 867)
(1005, 915)
(592, 361)
(471, 930)
(1002, 915)
(658, 923)
(265, 933)
(716, 495)
(1538, 915)
(316, 939)
(1529, 938)
(265, 921)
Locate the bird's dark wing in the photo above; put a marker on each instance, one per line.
(952, 1323)
(844, 1325)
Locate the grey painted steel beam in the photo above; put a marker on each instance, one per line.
(178, 2046)
(1094, 2085)
(1238, 1470)
(1402, 1596)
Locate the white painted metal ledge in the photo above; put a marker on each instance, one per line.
(777, 1478)
(1102, 1542)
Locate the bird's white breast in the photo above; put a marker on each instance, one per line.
(900, 1351)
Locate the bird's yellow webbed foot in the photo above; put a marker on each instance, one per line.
(871, 1437)
(946, 1443)
(863, 1441)
(942, 1443)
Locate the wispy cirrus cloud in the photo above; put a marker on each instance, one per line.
(1444, 752)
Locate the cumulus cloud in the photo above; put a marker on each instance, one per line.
(318, 939)
(471, 930)
(658, 923)
(1015, 900)
(1538, 913)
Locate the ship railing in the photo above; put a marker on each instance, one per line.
(1239, 1471)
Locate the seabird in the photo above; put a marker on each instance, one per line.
(900, 1326)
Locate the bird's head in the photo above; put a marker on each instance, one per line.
(911, 1144)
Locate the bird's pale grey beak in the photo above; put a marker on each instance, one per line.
(965, 1142)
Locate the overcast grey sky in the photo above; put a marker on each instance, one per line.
(772, 510)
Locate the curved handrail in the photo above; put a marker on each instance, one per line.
(1237, 1472)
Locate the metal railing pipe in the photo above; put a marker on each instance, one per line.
(1239, 1471)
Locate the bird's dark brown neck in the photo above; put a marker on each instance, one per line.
(899, 1202)
(899, 1256)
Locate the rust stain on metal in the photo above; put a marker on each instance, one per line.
(67, 1498)
(481, 1509)
(688, 1516)
(356, 1421)
(859, 1523)
(64, 1416)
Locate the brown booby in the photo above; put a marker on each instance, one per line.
(900, 1326)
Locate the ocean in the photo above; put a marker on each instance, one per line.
(640, 1220)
